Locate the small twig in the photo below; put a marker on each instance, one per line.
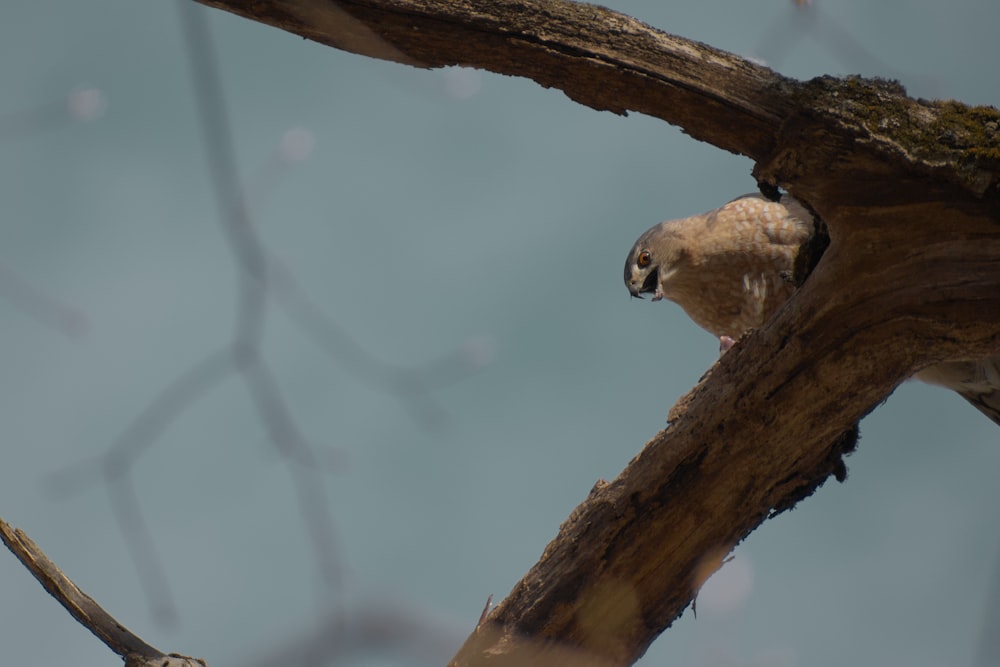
(251, 262)
(150, 570)
(486, 611)
(82, 607)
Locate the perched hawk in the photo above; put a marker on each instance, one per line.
(731, 268)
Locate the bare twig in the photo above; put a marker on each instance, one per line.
(251, 261)
(486, 610)
(85, 610)
(114, 468)
(259, 275)
(150, 570)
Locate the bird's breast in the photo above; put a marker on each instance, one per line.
(729, 297)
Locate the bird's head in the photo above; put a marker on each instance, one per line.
(653, 260)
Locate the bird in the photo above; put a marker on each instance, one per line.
(731, 268)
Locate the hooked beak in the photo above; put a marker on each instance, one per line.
(648, 286)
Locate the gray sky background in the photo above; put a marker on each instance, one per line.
(439, 215)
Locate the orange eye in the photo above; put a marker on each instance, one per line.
(644, 259)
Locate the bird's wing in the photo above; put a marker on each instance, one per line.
(784, 223)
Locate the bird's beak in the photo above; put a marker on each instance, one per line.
(651, 283)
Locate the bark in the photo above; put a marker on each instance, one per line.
(133, 650)
(908, 190)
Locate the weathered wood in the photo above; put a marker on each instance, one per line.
(133, 650)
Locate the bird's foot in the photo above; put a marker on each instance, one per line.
(725, 342)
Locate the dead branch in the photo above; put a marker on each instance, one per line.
(82, 607)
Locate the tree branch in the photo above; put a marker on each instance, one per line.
(598, 57)
(908, 190)
(82, 607)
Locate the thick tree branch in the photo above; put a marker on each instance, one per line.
(610, 61)
(909, 192)
(598, 57)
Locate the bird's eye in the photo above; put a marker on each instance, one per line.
(644, 259)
